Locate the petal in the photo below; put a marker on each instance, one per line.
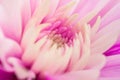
(4, 75)
(107, 9)
(113, 50)
(65, 10)
(32, 31)
(78, 75)
(20, 70)
(87, 7)
(63, 2)
(112, 68)
(43, 56)
(95, 27)
(41, 11)
(26, 12)
(81, 63)
(111, 15)
(76, 52)
(69, 8)
(12, 25)
(53, 7)
(32, 51)
(109, 78)
(106, 37)
(33, 4)
(9, 47)
(94, 60)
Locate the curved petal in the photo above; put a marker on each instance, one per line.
(95, 59)
(112, 68)
(8, 48)
(53, 7)
(108, 7)
(68, 9)
(26, 12)
(33, 4)
(106, 37)
(78, 75)
(11, 25)
(106, 10)
(4, 75)
(86, 6)
(19, 69)
(111, 15)
(113, 50)
(63, 2)
(109, 78)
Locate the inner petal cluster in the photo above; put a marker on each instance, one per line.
(60, 34)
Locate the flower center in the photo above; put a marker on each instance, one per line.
(61, 34)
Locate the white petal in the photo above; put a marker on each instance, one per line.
(82, 62)
(20, 71)
(32, 52)
(41, 11)
(96, 26)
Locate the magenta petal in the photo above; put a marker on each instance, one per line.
(7, 75)
(113, 50)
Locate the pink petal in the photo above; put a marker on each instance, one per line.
(106, 37)
(40, 13)
(8, 48)
(12, 25)
(86, 6)
(53, 7)
(33, 4)
(91, 74)
(26, 12)
(63, 2)
(109, 78)
(67, 9)
(95, 59)
(106, 9)
(111, 15)
(112, 68)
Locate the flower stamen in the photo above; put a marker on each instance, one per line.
(61, 35)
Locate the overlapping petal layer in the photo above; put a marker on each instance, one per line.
(26, 50)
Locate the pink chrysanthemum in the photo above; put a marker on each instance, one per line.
(59, 39)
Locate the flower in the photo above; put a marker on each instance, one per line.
(59, 39)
